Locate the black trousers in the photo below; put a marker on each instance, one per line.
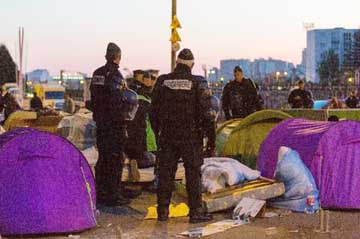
(108, 169)
(170, 152)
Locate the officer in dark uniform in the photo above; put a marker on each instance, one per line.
(240, 97)
(113, 105)
(300, 97)
(138, 129)
(209, 132)
(180, 109)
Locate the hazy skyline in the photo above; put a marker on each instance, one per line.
(73, 35)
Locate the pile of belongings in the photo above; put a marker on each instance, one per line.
(80, 129)
(218, 173)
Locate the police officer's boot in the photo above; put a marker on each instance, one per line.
(116, 198)
(101, 194)
(199, 216)
(163, 213)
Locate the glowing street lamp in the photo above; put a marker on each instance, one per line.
(350, 80)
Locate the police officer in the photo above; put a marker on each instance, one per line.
(113, 105)
(139, 129)
(180, 109)
(240, 97)
(300, 97)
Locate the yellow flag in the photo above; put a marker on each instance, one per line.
(175, 23)
(175, 37)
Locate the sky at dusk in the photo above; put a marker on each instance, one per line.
(73, 34)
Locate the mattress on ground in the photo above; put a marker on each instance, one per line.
(228, 198)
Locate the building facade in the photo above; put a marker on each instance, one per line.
(320, 41)
(38, 76)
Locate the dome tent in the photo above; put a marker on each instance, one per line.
(244, 136)
(46, 185)
(329, 149)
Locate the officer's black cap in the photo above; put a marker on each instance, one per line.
(112, 51)
(138, 72)
(186, 54)
(237, 68)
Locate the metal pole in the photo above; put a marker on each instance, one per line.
(21, 47)
(173, 53)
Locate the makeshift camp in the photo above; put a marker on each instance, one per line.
(329, 149)
(244, 136)
(224, 187)
(46, 185)
(32, 119)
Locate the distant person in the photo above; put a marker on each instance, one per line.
(36, 103)
(300, 98)
(69, 106)
(240, 97)
(352, 101)
(138, 74)
(334, 103)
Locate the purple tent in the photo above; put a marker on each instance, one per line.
(331, 150)
(46, 185)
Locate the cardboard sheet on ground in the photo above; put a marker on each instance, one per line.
(181, 210)
(212, 228)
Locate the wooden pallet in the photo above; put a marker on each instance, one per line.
(229, 197)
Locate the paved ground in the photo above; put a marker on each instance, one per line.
(126, 223)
